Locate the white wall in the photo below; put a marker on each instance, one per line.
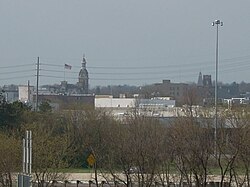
(24, 95)
(114, 102)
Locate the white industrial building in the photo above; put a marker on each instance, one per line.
(25, 93)
(150, 107)
(110, 102)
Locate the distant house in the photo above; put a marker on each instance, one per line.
(10, 93)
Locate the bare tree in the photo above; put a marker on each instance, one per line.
(135, 151)
(49, 146)
(146, 144)
(233, 146)
(10, 159)
(192, 143)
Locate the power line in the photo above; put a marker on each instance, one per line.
(169, 72)
(15, 66)
(109, 73)
(187, 66)
(13, 72)
(60, 77)
(233, 61)
(124, 67)
(172, 71)
(59, 71)
(144, 58)
(54, 65)
(137, 78)
(19, 77)
(232, 65)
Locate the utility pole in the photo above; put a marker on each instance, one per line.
(28, 92)
(217, 23)
(27, 153)
(37, 82)
(24, 178)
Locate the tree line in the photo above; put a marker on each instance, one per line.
(137, 148)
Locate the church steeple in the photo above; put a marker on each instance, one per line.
(200, 81)
(83, 78)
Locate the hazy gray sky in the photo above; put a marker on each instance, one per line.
(137, 41)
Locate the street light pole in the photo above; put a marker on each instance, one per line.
(217, 23)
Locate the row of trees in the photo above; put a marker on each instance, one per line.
(138, 148)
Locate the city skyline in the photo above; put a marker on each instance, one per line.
(58, 73)
(125, 42)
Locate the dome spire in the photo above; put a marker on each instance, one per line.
(83, 61)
